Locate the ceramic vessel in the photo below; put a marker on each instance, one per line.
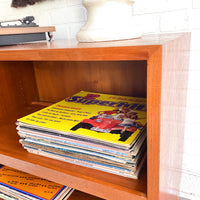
(108, 20)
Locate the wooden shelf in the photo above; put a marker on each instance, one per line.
(85, 179)
(154, 66)
(78, 195)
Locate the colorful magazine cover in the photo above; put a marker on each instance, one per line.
(26, 186)
(101, 117)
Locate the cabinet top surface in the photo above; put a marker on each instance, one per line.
(58, 49)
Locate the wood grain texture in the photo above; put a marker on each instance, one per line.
(154, 67)
(78, 195)
(18, 87)
(175, 62)
(23, 30)
(76, 54)
(64, 79)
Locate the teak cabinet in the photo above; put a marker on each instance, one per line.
(156, 66)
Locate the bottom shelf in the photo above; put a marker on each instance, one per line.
(94, 182)
(78, 195)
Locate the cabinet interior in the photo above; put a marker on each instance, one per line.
(58, 80)
(33, 84)
(52, 81)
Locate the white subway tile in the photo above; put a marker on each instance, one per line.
(194, 80)
(62, 32)
(174, 21)
(68, 15)
(59, 16)
(192, 115)
(190, 186)
(192, 131)
(193, 98)
(192, 147)
(74, 28)
(194, 60)
(196, 3)
(160, 6)
(77, 14)
(42, 18)
(49, 4)
(194, 19)
(191, 163)
(148, 23)
(170, 5)
(74, 2)
(146, 7)
(195, 40)
(9, 13)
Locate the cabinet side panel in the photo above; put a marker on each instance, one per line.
(173, 108)
(17, 87)
(154, 68)
(58, 80)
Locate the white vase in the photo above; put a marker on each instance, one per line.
(108, 20)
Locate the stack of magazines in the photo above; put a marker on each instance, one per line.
(18, 185)
(100, 131)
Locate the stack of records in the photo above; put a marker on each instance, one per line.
(18, 185)
(100, 131)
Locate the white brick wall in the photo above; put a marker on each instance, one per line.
(196, 4)
(155, 16)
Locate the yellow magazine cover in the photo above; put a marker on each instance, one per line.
(109, 118)
(24, 184)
